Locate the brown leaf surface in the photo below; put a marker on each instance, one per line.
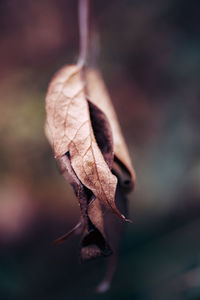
(98, 95)
(69, 129)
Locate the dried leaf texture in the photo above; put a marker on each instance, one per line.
(69, 129)
(98, 95)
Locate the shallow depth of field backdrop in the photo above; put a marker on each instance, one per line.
(150, 59)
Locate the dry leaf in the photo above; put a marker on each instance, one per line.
(81, 126)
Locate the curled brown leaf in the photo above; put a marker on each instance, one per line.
(82, 127)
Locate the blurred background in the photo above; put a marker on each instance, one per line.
(150, 59)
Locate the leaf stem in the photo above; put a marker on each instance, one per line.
(83, 9)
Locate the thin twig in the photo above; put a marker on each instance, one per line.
(67, 235)
(83, 30)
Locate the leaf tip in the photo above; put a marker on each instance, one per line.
(126, 220)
